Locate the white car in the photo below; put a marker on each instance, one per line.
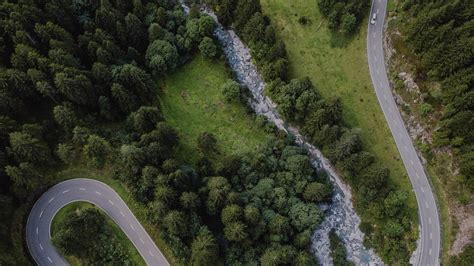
(374, 17)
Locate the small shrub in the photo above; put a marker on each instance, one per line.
(208, 48)
(231, 91)
(304, 20)
(426, 109)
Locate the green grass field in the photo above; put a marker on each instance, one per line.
(338, 68)
(69, 209)
(192, 103)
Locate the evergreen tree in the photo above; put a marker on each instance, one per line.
(97, 150)
(204, 249)
(26, 148)
(65, 116)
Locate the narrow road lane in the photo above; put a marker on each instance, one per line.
(38, 228)
(428, 212)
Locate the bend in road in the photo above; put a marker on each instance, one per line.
(38, 235)
(427, 209)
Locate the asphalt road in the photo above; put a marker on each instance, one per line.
(428, 212)
(38, 235)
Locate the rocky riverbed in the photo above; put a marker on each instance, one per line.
(340, 214)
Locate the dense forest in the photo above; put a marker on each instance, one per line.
(70, 67)
(437, 38)
(386, 218)
(441, 34)
(79, 85)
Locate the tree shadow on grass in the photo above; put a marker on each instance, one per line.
(340, 40)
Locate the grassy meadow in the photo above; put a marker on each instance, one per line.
(192, 103)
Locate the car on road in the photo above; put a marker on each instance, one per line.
(374, 17)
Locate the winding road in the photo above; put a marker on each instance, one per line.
(38, 227)
(429, 218)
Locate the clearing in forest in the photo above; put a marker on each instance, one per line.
(193, 103)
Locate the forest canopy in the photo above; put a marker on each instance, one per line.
(80, 86)
(431, 29)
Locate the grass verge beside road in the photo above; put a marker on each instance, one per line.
(448, 226)
(338, 68)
